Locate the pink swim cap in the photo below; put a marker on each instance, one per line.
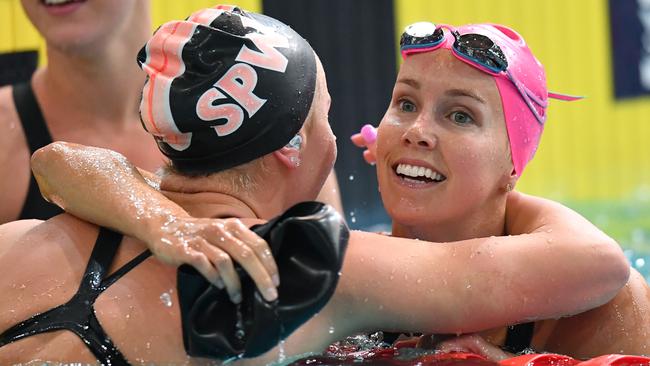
(524, 131)
(524, 128)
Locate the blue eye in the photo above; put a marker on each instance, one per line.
(407, 106)
(461, 118)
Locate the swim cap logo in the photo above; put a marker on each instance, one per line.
(240, 81)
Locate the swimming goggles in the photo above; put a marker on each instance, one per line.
(477, 50)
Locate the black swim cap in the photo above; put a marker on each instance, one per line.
(225, 87)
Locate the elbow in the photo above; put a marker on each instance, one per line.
(44, 156)
(614, 266)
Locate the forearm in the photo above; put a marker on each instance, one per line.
(471, 285)
(102, 187)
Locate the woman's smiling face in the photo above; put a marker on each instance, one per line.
(442, 148)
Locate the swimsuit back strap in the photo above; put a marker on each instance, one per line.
(78, 314)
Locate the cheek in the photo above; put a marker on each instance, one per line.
(388, 136)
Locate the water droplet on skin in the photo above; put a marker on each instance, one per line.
(419, 281)
(281, 354)
(166, 299)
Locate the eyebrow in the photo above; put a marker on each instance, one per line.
(411, 82)
(464, 93)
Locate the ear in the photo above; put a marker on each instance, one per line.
(512, 181)
(288, 156)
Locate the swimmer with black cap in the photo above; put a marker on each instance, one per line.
(367, 296)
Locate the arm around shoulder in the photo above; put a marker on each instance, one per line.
(554, 264)
(576, 247)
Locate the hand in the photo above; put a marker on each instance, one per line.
(209, 245)
(367, 138)
(472, 343)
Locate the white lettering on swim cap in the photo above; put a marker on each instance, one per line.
(268, 57)
(239, 82)
(207, 111)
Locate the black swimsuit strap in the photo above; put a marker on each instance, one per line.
(37, 135)
(31, 117)
(519, 337)
(78, 315)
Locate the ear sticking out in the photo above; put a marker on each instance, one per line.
(289, 155)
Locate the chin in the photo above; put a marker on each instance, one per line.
(72, 40)
(409, 214)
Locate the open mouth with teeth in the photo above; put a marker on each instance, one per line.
(418, 174)
(60, 2)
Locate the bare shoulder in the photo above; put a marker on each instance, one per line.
(619, 326)
(14, 158)
(12, 231)
(37, 258)
(36, 237)
(526, 214)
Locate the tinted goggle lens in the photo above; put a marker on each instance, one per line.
(476, 41)
(481, 49)
(422, 33)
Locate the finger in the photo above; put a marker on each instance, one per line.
(226, 269)
(245, 256)
(358, 140)
(369, 157)
(201, 263)
(452, 346)
(260, 247)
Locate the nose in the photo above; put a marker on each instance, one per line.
(420, 134)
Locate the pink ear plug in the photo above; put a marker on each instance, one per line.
(369, 133)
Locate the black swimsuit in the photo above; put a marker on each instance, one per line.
(78, 314)
(37, 134)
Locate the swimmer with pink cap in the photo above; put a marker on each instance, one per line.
(502, 53)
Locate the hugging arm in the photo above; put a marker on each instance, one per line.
(103, 187)
(554, 264)
(562, 265)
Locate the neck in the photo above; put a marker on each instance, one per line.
(210, 197)
(485, 222)
(96, 85)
